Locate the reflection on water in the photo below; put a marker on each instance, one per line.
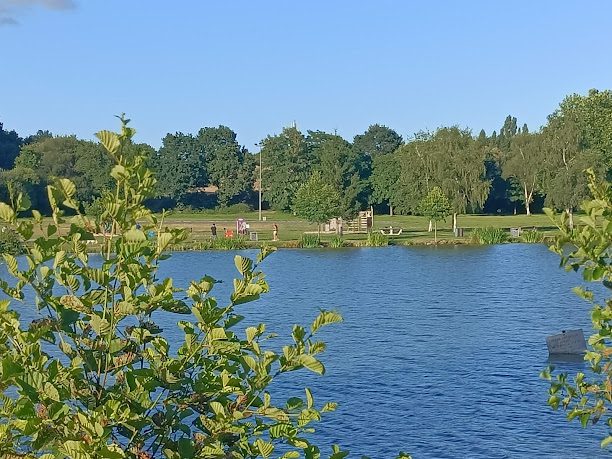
(440, 351)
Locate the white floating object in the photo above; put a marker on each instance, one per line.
(567, 342)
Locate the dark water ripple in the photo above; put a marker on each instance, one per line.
(440, 351)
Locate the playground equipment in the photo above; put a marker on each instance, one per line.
(362, 224)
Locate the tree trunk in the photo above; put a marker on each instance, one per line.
(319, 231)
(430, 226)
(436, 232)
(390, 210)
(455, 223)
(527, 199)
(570, 214)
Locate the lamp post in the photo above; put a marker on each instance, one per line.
(260, 183)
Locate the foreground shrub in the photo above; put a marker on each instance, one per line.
(588, 249)
(95, 377)
(489, 236)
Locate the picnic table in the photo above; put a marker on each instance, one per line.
(390, 231)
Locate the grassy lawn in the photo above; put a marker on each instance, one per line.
(292, 227)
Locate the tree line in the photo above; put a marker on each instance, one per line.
(509, 170)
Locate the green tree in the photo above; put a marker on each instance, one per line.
(377, 140)
(287, 163)
(180, 166)
(317, 201)
(593, 115)
(10, 142)
(418, 169)
(525, 163)
(83, 162)
(567, 157)
(340, 167)
(95, 377)
(588, 249)
(461, 169)
(228, 165)
(435, 206)
(384, 180)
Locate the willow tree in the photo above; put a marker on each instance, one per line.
(462, 170)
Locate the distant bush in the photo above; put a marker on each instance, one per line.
(310, 241)
(337, 242)
(377, 240)
(95, 208)
(489, 235)
(532, 237)
(228, 243)
(239, 208)
(10, 241)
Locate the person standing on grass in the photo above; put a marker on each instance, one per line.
(213, 231)
(275, 232)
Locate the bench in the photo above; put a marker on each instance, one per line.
(390, 231)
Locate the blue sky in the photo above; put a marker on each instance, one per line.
(256, 66)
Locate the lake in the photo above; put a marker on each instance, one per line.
(440, 351)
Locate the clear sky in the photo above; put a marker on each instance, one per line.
(256, 66)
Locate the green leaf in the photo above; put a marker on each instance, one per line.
(7, 213)
(243, 264)
(162, 241)
(67, 187)
(309, 399)
(10, 368)
(606, 441)
(109, 140)
(217, 408)
(186, 448)
(265, 448)
(217, 334)
(100, 326)
(325, 318)
(51, 392)
(311, 363)
(11, 264)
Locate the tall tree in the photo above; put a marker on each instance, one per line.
(82, 161)
(287, 163)
(10, 143)
(341, 167)
(377, 140)
(228, 165)
(178, 166)
(384, 180)
(525, 163)
(317, 201)
(567, 157)
(593, 115)
(418, 170)
(461, 170)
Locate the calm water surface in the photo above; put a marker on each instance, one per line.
(440, 351)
